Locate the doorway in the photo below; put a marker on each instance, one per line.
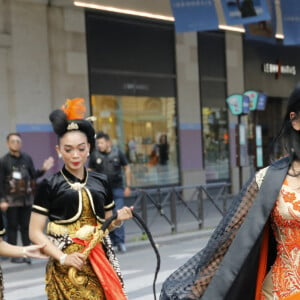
(270, 121)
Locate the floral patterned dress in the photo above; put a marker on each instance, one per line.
(283, 280)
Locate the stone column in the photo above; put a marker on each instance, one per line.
(30, 61)
(235, 85)
(68, 56)
(189, 110)
(7, 119)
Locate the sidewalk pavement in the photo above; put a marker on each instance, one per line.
(187, 228)
(161, 231)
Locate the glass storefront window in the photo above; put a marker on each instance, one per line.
(216, 143)
(213, 83)
(144, 129)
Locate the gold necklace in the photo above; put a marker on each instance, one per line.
(77, 186)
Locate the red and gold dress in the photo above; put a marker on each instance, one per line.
(283, 281)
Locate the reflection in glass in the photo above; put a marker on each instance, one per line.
(144, 128)
(216, 143)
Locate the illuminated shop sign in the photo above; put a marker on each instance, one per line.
(238, 104)
(279, 69)
(135, 86)
(250, 100)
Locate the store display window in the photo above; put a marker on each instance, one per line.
(145, 130)
(216, 143)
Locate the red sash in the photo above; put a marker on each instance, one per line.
(105, 272)
(262, 266)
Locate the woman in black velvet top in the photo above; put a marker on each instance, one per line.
(76, 202)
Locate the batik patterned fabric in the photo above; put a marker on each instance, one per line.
(58, 284)
(286, 226)
(191, 279)
(223, 269)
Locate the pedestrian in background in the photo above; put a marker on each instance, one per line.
(254, 252)
(163, 150)
(112, 162)
(17, 184)
(132, 150)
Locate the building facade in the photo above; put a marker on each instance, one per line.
(142, 80)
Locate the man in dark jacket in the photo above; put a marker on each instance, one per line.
(111, 161)
(17, 182)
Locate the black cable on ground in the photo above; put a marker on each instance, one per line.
(147, 231)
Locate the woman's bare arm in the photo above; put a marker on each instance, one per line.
(36, 233)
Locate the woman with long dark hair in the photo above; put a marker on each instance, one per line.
(254, 253)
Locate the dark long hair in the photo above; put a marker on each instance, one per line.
(287, 142)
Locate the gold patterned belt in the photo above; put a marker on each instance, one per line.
(84, 232)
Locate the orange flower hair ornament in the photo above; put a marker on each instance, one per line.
(74, 108)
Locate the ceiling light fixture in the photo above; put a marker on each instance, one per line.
(123, 11)
(232, 28)
(279, 36)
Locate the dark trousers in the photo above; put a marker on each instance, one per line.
(18, 219)
(117, 236)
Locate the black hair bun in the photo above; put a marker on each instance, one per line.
(59, 122)
(60, 125)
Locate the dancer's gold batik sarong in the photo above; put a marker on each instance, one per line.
(58, 285)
